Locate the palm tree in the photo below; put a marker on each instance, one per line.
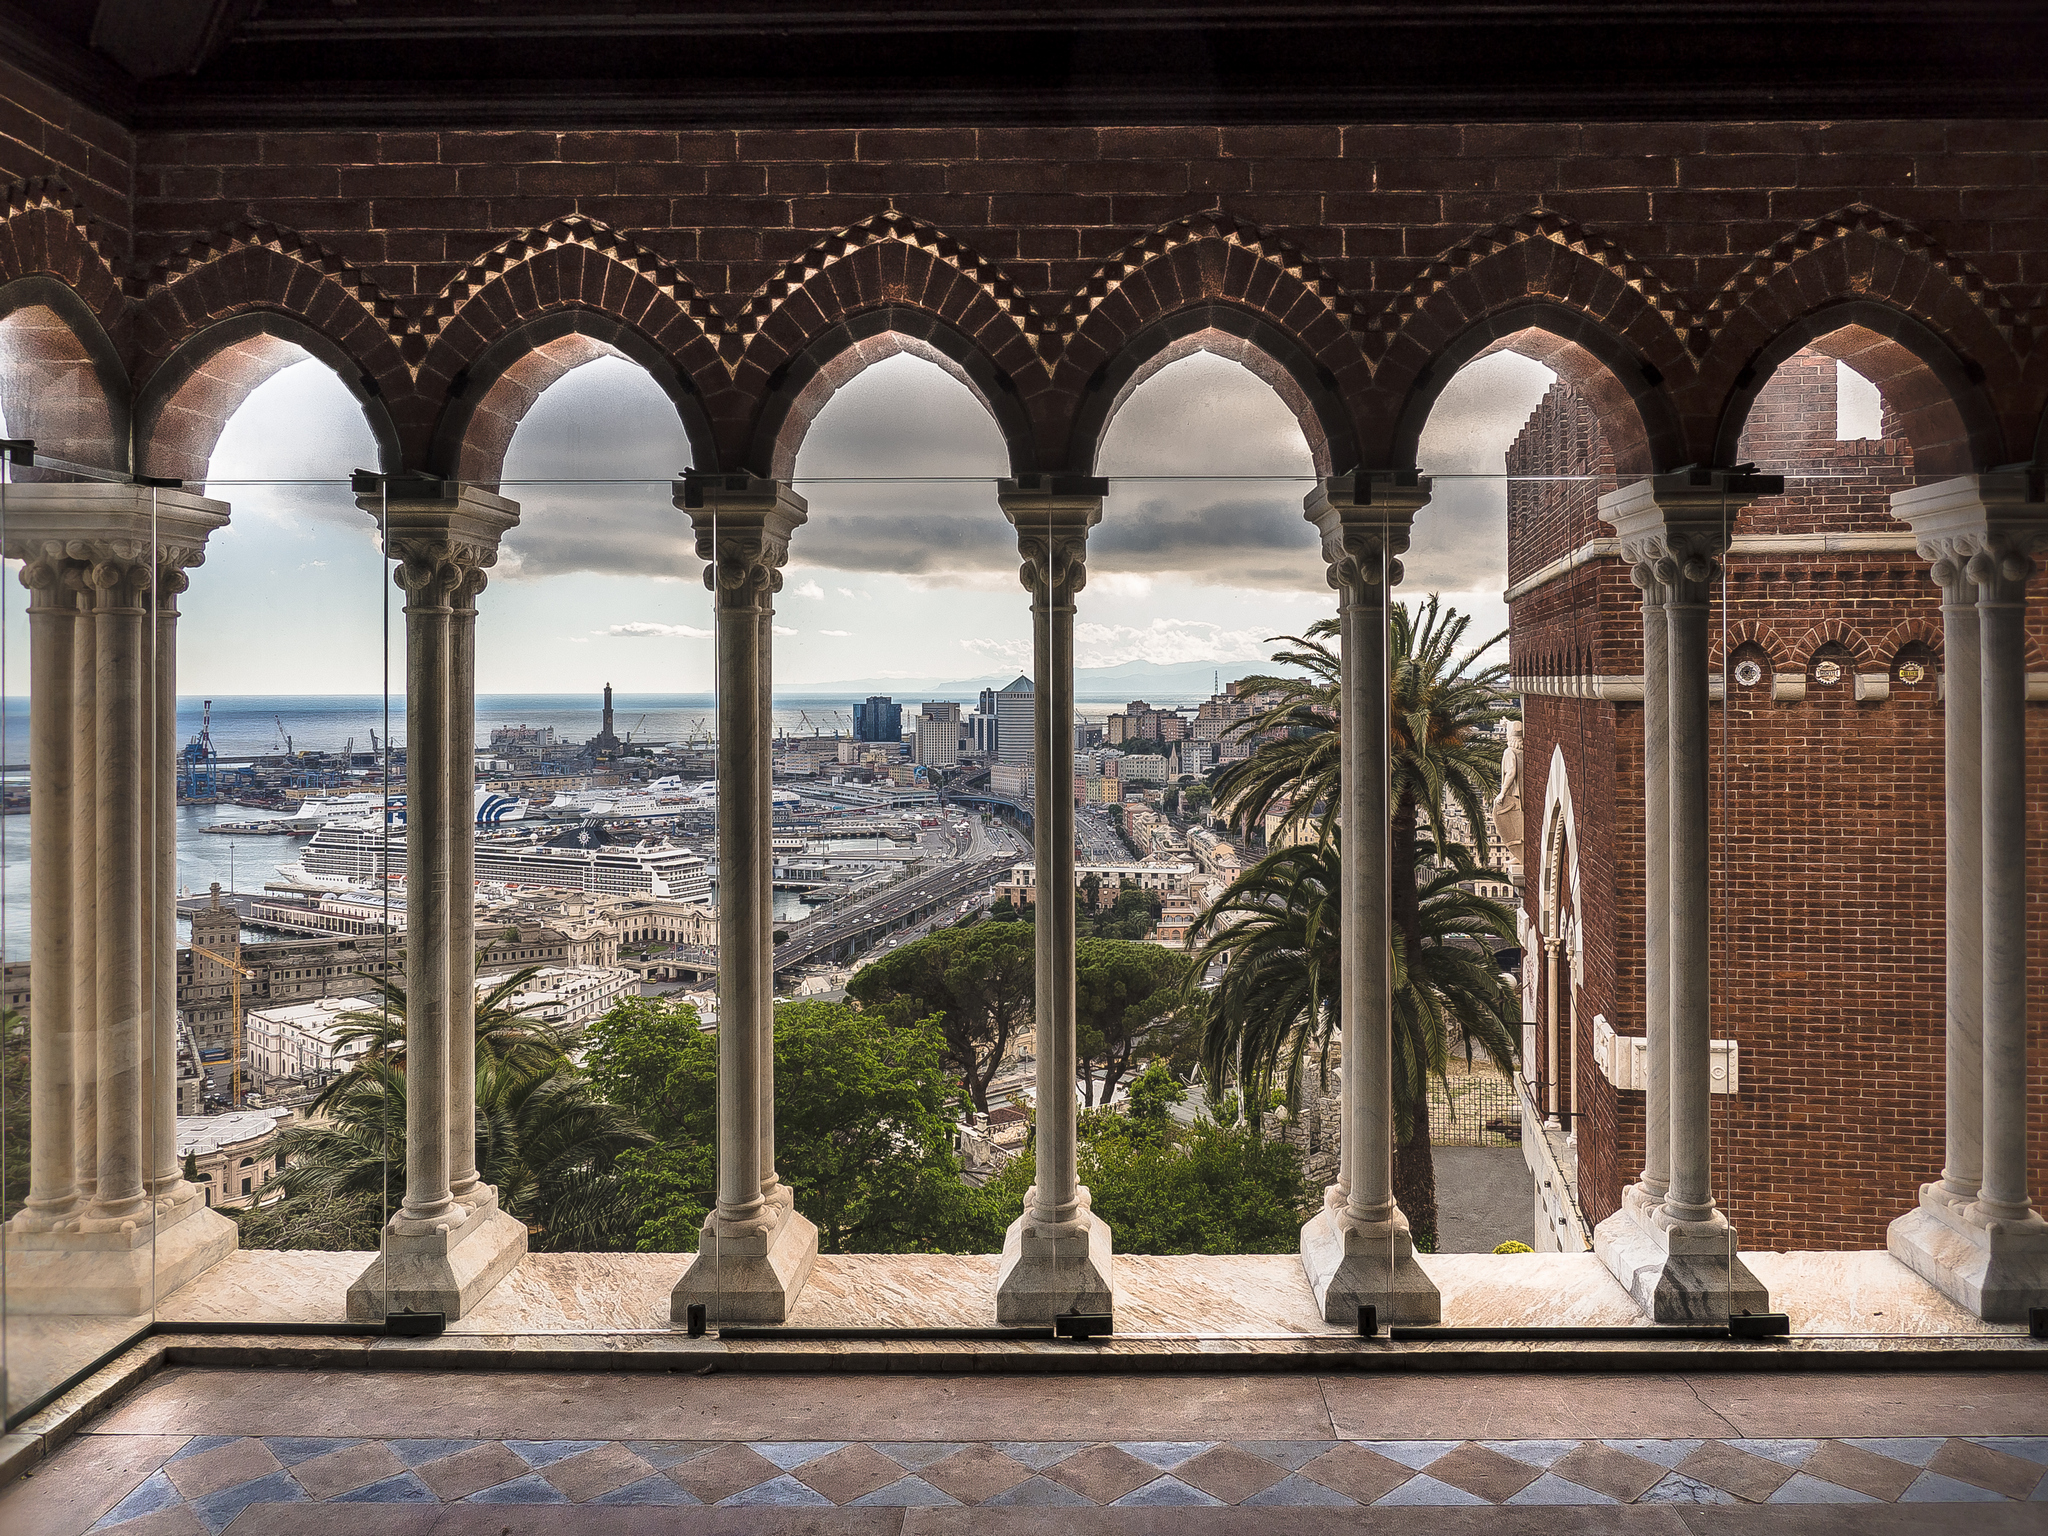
(545, 1139)
(1441, 707)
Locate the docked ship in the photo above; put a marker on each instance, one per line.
(585, 857)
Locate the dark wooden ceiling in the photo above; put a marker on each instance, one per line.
(164, 63)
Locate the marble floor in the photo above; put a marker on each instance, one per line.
(199, 1453)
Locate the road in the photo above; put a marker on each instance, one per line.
(888, 908)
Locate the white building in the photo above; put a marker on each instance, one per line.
(572, 996)
(297, 1040)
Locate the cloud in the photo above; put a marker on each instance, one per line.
(809, 589)
(1166, 641)
(837, 634)
(844, 591)
(639, 629)
(1016, 652)
(781, 631)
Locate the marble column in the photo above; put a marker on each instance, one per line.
(440, 1253)
(1358, 1249)
(110, 1225)
(1975, 1234)
(1056, 1255)
(1679, 1257)
(1555, 1000)
(1643, 1197)
(756, 1249)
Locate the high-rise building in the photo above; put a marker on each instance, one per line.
(880, 719)
(1013, 722)
(938, 735)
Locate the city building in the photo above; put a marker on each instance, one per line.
(879, 719)
(234, 1154)
(1013, 716)
(940, 735)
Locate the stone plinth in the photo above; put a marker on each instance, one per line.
(1366, 1264)
(1997, 1270)
(447, 1271)
(112, 1273)
(749, 1276)
(1045, 1273)
(1674, 1275)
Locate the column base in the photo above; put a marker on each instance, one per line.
(1676, 1274)
(1997, 1269)
(749, 1277)
(111, 1274)
(1047, 1272)
(1353, 1264)
(449, 1271)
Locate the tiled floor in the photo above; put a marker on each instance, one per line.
(211, 1479)
(209, 1452)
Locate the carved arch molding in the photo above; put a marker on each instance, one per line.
(176, 346)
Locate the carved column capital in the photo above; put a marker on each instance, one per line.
(1981, 534)
(1052, 515)
(743, 526)
(1675, 528)
(442, 542)
(1365, 520)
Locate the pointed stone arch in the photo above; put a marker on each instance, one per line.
(494, 390)
(62, 384)
(1913, 631)
(44, 231)
(1833, 631)
(1941, 342)
(1757, 632)
(186, 402)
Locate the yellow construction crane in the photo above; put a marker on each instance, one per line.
(235, 1013)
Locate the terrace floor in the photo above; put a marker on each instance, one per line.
(566, 1403)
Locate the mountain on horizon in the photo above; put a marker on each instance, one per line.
(1126, 680)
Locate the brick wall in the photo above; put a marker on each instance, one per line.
(1827, 833)
(44, 133)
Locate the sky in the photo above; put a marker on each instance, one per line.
(904, 568)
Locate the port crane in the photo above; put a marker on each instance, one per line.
(199, 763)
(283, 734)
(236, 973)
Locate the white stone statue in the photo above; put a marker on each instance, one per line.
(1507, 805)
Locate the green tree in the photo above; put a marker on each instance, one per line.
(1205, 1188)
(1275, 933)
(1130, 915)
(863, 1126)
(1122, 990)
(324, 1223)
(544, 1137)
(978, 982)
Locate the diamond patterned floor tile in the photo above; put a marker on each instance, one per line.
(916, 1455)
(1229, 1474)
(1750, 1478)
(1865, 1471)
(1291, 1454)
(217, 1509)
(1424, 1489)
(1552, 1489)
(290, 1450)
(2026, 1448)
(530, 1489)
(471, 1471)
(783, 1492)
(849, 1473)
(1039, 1493)
(1677, 1488)
(719, 1474)
(656, 1490)
(905, 1493)
(1361, 1475)
(663, 1454)
(1786, 1453)
(1664, 1453)
(417, 1453)
(224, 1466)
(1914, 1452)
(593, 1472)
(974, 1474)
(1299, 1491)
(405, 1488)
(351, 1467)
(791, 1454)
(1164, 1454)
(545, 1453)
(199, 1445)
(1967, 1462)
(1102, 1473)
(1933, 1488)
(1537, 1453)
(1805, 1488)
(178, 1520)
(1620, 1475)
(155, 1492)
(1040, 1454)
(1412, 1454)
(1166, 1492)
(1492, 1476)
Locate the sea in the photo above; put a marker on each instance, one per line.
(258, 725)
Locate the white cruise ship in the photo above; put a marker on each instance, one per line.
(583, 858)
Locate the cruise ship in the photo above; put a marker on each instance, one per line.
(582, 858)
